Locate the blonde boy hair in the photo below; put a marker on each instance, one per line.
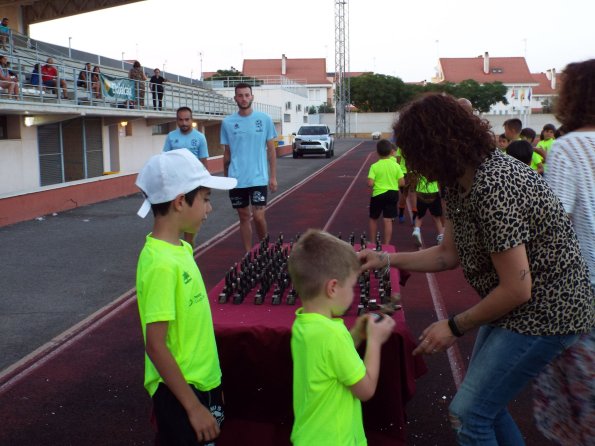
(318, 257)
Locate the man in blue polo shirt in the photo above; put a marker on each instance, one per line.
(186, 137)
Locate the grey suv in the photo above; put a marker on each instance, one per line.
(313, 139)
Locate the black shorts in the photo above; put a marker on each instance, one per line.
(431, 202)
(173, 426)
(384, 204)
(243, 196)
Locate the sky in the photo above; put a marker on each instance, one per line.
(401, 38)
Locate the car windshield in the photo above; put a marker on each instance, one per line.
(315, 130)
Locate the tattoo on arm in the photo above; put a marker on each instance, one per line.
(441, 263)
(524, 273)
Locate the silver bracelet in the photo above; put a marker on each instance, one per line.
(385, 269)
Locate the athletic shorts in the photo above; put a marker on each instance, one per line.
(173, 426)
(243, 196)
(384, 204)
(431, 202)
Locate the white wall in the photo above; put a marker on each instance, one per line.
(19, 162)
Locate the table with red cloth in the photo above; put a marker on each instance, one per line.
(255, 355)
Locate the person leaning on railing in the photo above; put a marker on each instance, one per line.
(4, 33)
(6, 81)
(138, 75)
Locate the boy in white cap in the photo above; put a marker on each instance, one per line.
(182, 372)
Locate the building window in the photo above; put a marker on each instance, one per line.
(305, 119)
(160, 129)
(286, 117)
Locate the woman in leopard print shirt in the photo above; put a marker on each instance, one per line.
(517, 248)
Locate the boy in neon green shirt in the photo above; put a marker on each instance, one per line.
(182, 372)
(547, 140)
(329, 378)
(384, 177)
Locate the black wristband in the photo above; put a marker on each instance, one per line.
(453, 327)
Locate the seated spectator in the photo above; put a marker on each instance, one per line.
(96, 82)
(4, 33)
(49, 77)
(6, 81)
(84, 80)
(35, 78)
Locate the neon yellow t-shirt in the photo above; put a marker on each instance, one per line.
(536, 159)
(325, 365)
(386, 174)
(546, 144)
(402, 161)
(170, 288)
(425, 187)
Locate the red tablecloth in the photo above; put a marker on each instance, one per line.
(254, 350)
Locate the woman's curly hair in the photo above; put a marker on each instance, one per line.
(575, 107)
(439, 138)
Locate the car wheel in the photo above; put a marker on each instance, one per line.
(328, 154)
(295, 155)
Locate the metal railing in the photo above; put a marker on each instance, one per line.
(26, 53)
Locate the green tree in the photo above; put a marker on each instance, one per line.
(232, 77)
(482, 96)
(378, 93)
(325, 108)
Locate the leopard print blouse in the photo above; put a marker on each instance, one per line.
(510, 205)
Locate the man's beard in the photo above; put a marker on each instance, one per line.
(244, 107)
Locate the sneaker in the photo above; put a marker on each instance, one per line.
(439, 238)
(416, 237)
(401, 219)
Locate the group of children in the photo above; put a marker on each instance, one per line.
(519, 143)
(182, 371)
(392, 186)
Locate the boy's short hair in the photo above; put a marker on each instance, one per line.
(384, 147)
(514, 124)
(169, 174)
(318, 257)
(521, 150)
(550, 127)
(528, 134)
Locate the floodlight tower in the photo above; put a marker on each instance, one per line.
(342, 98)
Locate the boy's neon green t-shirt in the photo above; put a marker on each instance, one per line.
(425, 187)
(402, 165)
(536, 159)
(386, 174)
(170, 288)
(325, 365)
(546, 144)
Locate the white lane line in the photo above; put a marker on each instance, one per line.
(344, 197)
(457, 366)
(50, 349)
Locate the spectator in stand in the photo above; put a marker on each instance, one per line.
(138, 75)
(4, 33)
(84, 79)
(35, 77)
(156, 83)
(96, 82)
(6, 81)
(565, 391)
(49, 77)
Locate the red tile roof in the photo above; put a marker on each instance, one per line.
(509, 70)
(311, 71)
(545, 85)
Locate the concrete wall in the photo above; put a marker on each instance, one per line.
(363, 124)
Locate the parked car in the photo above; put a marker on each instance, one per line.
(376, 135)
(313, 139)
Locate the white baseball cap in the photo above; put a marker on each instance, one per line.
(169, 174)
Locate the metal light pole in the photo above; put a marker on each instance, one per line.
(122, 59)
(200, 54)
(69, 48)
